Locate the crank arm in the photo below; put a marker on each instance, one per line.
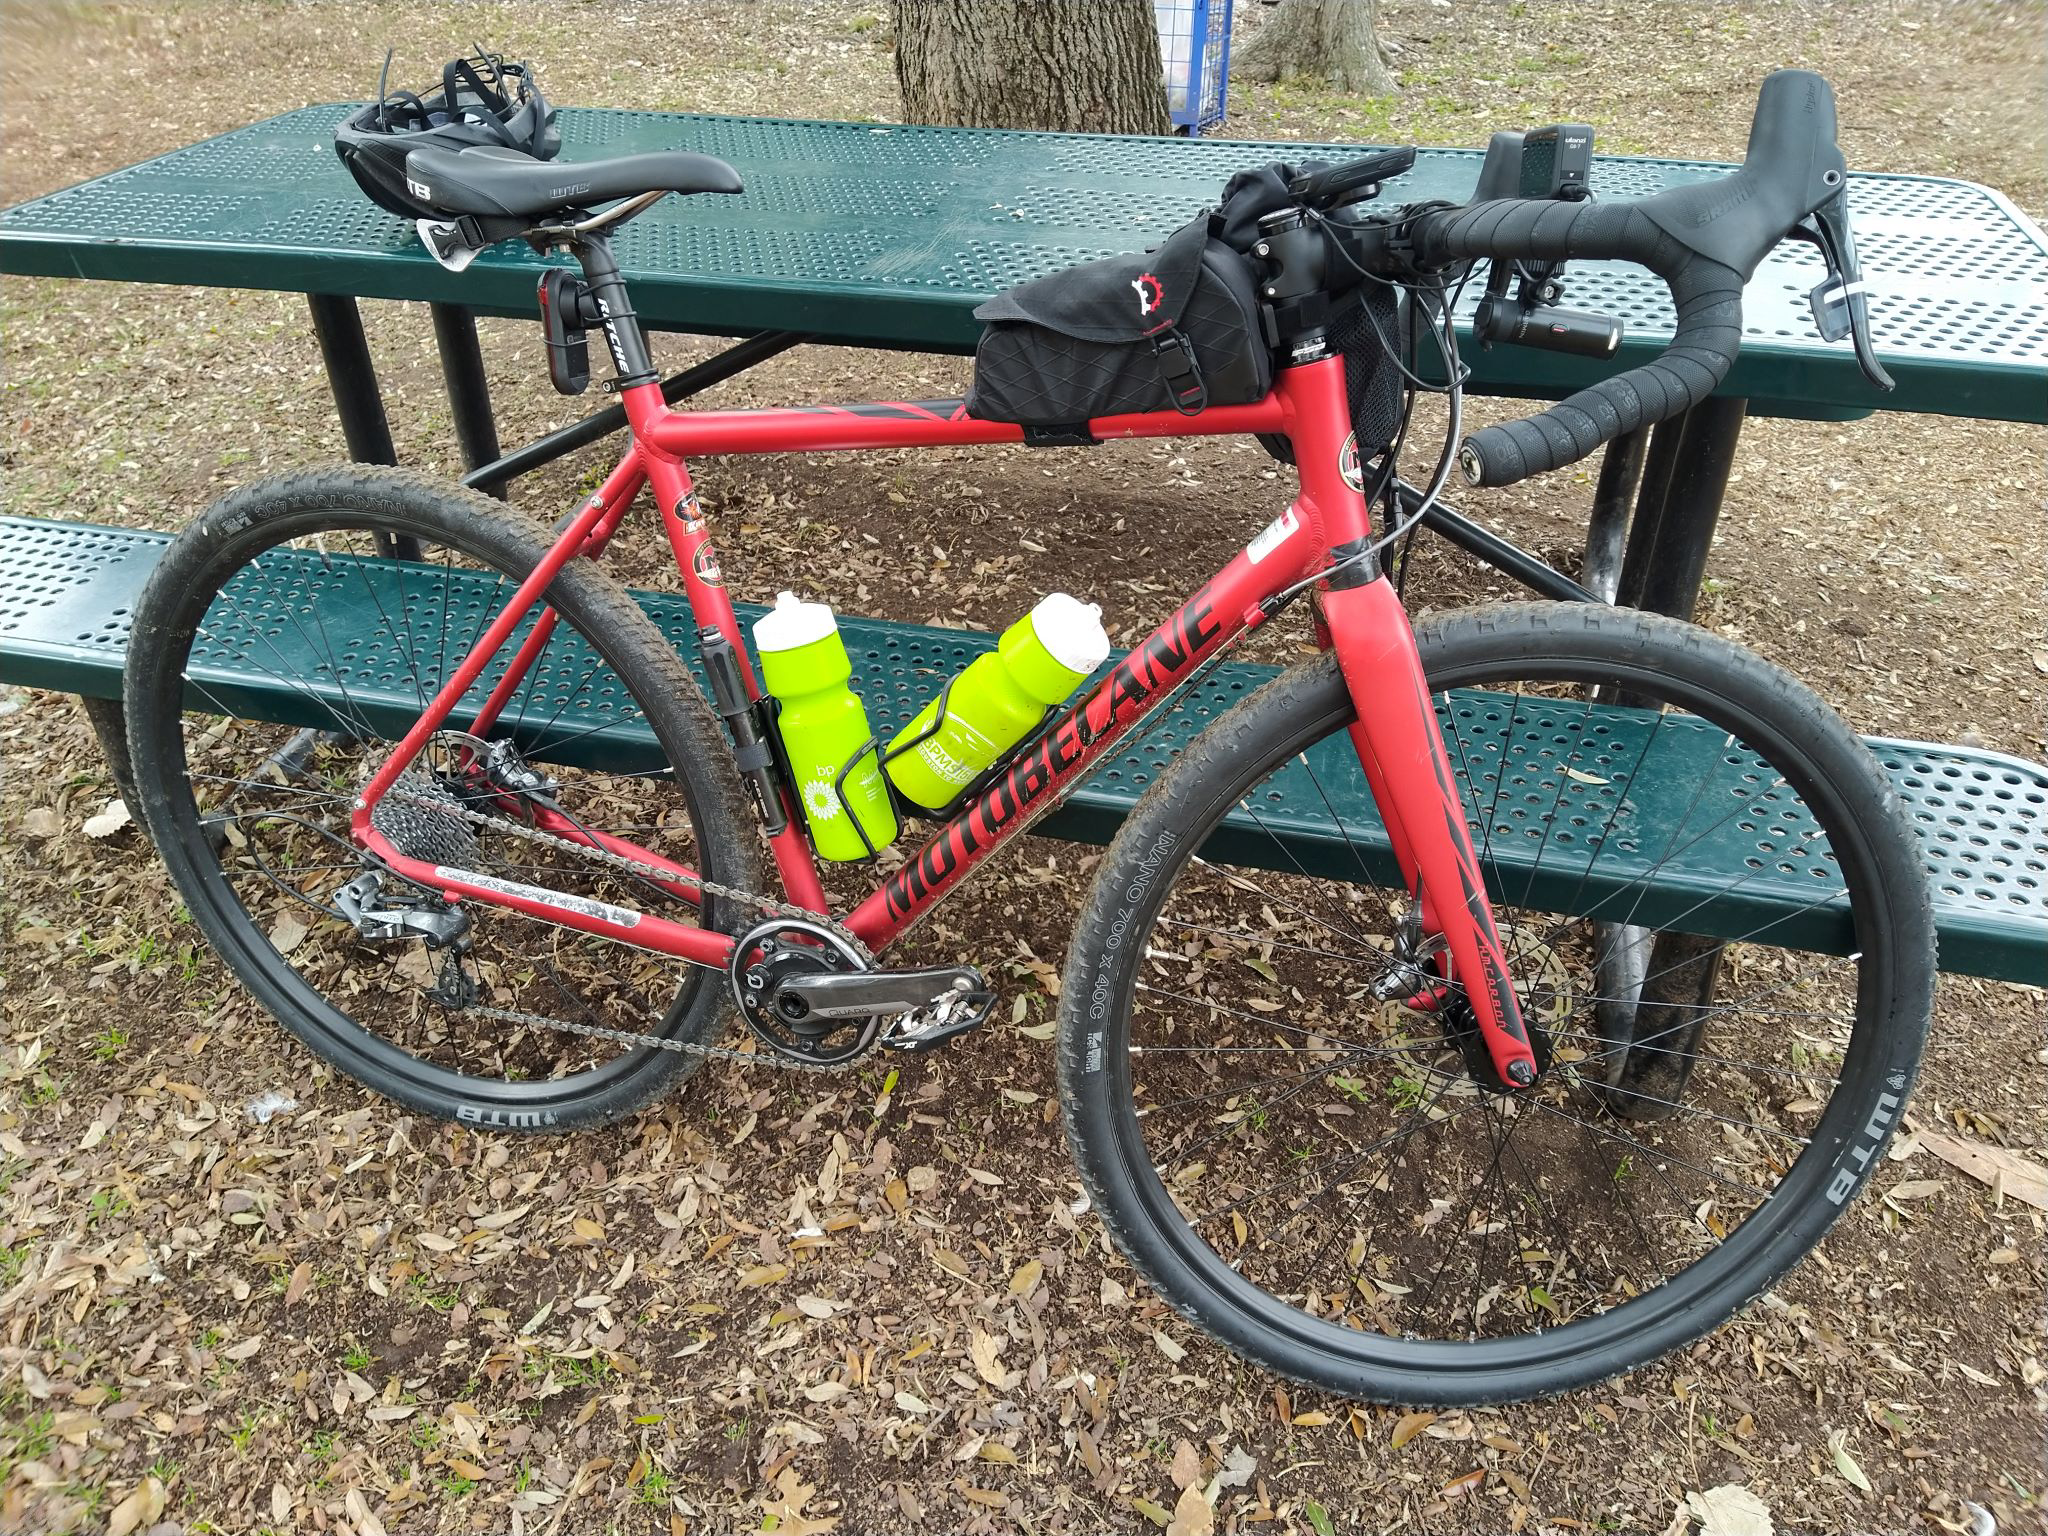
(862, 993)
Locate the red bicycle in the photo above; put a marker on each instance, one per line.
(1419, 1038)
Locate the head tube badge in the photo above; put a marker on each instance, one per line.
(1348, 465)
(1276, 533)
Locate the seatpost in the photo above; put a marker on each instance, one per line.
(615, 312)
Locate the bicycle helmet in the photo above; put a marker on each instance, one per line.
(483, 101)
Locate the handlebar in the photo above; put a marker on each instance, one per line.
(1705, 240)
(1708, 296)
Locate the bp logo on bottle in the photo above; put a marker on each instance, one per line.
(821, 799)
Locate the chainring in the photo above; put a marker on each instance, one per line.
(771, 952)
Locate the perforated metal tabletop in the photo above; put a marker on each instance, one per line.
(890, 235)
(66, 591)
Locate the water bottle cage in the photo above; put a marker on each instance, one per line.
(906, 807)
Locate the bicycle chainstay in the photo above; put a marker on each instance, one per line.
(450, 806)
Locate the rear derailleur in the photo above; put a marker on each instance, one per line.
(416, 914)
(809, 994)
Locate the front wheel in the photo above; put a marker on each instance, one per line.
(1281, 1108)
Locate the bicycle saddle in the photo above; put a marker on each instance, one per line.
(495, 183)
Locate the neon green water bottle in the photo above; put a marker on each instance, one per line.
(822, 724)
(998, 698)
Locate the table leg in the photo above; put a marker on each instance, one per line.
(352, 380)
(469, 389)
(1621, 473)
(1684, 478)
(111, 727)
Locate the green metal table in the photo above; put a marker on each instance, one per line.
(883, 235)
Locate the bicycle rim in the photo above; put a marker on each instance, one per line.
(300, 652)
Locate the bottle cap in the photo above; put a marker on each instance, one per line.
(792, 623)
(1071, 632)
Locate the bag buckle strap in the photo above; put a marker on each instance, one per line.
(1184, 383)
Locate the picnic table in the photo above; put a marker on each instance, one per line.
(888, 236)
(885, 235)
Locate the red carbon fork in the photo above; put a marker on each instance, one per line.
(1402, 752)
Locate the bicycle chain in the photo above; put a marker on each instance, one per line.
(753, 899)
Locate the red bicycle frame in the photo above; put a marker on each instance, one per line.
(1396, 733)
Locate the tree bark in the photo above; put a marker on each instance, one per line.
(1073, 65)
(1332, 40)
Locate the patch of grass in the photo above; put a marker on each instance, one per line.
(244, 1433)
(357, 1358)
(109, 1043)
(44, 1090)
(654, 1489)
(13, 1261)
(425, 1293)
(105, 1204)
(584, 1373)
(90, 1497)
(34, 1438)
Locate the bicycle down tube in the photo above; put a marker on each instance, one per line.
(1397, 737)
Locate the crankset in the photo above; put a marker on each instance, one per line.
(807, 993)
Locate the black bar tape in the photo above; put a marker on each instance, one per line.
(1707, 294)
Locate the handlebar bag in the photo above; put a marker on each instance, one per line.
(1175, 328)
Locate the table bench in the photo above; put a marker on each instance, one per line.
(66, 590)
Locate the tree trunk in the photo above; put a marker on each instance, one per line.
(1074, 65)
(1333, 40)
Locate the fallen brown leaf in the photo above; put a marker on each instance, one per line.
(2005, 1171)
(1411, 1425)
(1192, 1514)
(139, 1509)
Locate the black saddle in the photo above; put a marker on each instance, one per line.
(495, 183)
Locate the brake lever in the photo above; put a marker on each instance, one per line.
(1838, 303)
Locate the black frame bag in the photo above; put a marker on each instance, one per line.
(1175, 328)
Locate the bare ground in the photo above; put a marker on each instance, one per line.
(337, 1320)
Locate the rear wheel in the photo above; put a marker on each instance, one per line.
(1283, 1112)
(280, 653)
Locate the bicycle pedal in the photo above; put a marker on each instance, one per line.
(943, 1021)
